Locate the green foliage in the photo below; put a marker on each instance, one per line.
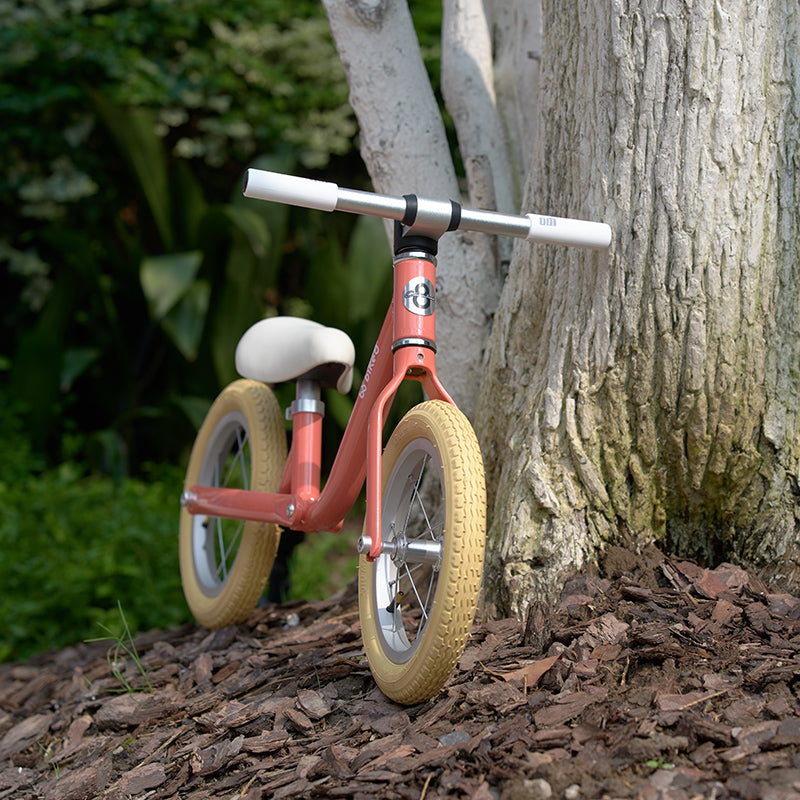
(224, 78)
(74, 545)
(127, 127)
(321, 565)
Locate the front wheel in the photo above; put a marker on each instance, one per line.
(225, 563)
(417, 600)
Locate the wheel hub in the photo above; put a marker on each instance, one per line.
(402, 551)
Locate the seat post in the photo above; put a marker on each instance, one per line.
(306, 413)
(307, 398)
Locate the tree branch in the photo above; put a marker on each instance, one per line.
(403, 141)
(516, 30)
(405, 148)
(468, 88)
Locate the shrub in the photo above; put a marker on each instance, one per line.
(73, 545)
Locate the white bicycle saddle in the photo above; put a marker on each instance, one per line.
(282, 349)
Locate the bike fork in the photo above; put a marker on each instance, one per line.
(414, 357)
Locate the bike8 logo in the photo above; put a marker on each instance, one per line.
(418, 297)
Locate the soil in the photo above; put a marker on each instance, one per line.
(654, 679)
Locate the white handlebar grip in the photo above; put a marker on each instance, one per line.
(290, 189)
(576, 232)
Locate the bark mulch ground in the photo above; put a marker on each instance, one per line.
(657, 680)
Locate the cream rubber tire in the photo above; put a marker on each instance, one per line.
(417, 604)
(225, 563)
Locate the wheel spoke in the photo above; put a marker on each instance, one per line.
(222, 565)
(235, 466)
(427, 600)
(238, 460)
(416, 593)
(225, 552)
(405, 627)
(221, 553)
(415, 494)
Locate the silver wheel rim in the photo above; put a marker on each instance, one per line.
(216, 540)
(404, 592)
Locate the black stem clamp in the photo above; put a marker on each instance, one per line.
(424, 222)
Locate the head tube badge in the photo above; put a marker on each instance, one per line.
(419, 297)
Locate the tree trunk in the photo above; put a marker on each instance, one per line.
(652, 394)
(648, 394)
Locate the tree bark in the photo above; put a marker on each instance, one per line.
(652, 394)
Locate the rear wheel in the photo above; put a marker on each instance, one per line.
(417, 600)
(225, 563)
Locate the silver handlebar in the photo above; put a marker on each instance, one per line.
(421, 216)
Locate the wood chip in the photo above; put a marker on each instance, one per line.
(140, 779)
(24, 733)
(313, 703)
(530, 674)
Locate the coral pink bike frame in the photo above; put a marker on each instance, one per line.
(405, 350)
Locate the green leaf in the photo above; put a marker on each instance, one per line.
(235, 309)
(252, 224)
(368, 265)
(339, 407)
(328, 285)
(195, 408)
(185, 322)
(134, 131)
(74, 362)
(275, 215)
(37, 360)
(191, 206)
(167, 279)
